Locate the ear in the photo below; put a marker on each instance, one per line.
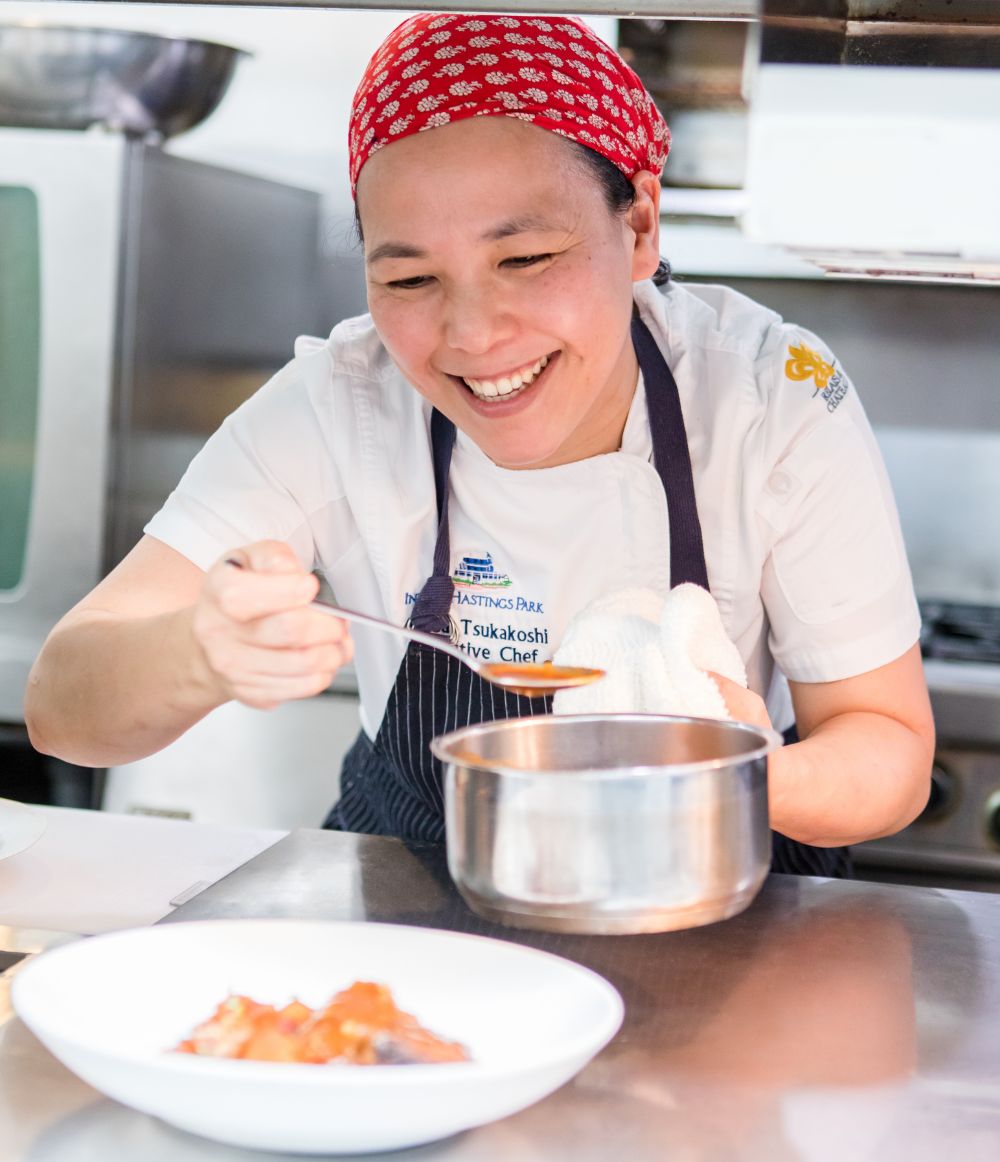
(644, 222)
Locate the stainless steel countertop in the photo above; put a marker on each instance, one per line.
(831, 1021)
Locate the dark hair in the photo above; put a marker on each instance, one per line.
(619, 193)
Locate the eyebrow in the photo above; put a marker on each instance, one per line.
(521, 224)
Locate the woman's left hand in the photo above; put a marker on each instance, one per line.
(744, 705)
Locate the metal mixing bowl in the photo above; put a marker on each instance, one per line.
(140, 83)
(607, 823)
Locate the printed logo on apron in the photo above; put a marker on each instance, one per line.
(492, 622)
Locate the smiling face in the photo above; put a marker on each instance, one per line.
(500, 282)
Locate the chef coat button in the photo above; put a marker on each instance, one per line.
(780, 483)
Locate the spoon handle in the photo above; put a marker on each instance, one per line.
(418, 635)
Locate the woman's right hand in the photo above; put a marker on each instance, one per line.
(260, 640)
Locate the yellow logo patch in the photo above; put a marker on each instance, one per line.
(804, 363)
(807, 364)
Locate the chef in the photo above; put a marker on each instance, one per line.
(532, 415)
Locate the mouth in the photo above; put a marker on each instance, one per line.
(508, 385)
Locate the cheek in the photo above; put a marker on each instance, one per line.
(405, 328)
(586, 302)
(560, 302)
(584, 287)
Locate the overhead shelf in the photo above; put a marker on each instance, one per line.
(658, 9)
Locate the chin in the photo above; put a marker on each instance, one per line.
(520, 458)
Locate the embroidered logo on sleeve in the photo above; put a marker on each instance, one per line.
(804, 363)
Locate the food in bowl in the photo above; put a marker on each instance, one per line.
(362, 1025)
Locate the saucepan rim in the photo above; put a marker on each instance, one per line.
(441, 746)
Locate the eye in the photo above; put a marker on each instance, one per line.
(409, 283)
(526, 260)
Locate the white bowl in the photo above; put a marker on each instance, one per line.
(111, 1007)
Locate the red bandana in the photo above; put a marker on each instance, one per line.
(553, 71)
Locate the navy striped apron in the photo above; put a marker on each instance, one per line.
(393, 786)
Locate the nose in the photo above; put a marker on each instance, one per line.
(475, 320)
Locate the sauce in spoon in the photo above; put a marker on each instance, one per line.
(535, 679)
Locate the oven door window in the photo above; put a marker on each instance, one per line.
(20, 326)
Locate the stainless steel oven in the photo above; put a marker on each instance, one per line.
(956, 841)
(142, 297)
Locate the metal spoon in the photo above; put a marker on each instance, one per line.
(531, 678)
(534, 679)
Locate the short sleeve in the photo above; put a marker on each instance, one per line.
(836, 583)
(263, 475)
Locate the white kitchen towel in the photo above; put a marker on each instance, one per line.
(655, 653)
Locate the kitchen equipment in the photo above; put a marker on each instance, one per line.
(607, 823)
(111, 1008)
(874, 136)
(142, 84)
(694, 70)
(956, 839)
(832, 1019)
(142, 298)
(960, 631)
(532, 679)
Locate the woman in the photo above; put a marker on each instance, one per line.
(524, 409)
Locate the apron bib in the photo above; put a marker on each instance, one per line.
(393, 786)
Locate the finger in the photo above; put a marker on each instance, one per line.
(243, 594)
(239, 662)
(265, 557)
(743, 704)
(268, 695)
(255, 664)
(296, 628)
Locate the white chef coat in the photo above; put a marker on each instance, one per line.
(802, 541)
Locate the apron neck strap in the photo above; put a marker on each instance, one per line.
(672, 460)
(432, 608)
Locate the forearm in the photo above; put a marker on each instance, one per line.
(107, 689)
(857, 776)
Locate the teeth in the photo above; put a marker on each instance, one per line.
(507, 385)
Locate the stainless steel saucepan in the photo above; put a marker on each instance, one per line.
(607, 823)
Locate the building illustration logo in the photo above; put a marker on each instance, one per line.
(478, 569)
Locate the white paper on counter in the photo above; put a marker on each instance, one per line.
(92, 871)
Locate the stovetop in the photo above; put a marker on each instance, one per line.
(957, 631)
(959, 831)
